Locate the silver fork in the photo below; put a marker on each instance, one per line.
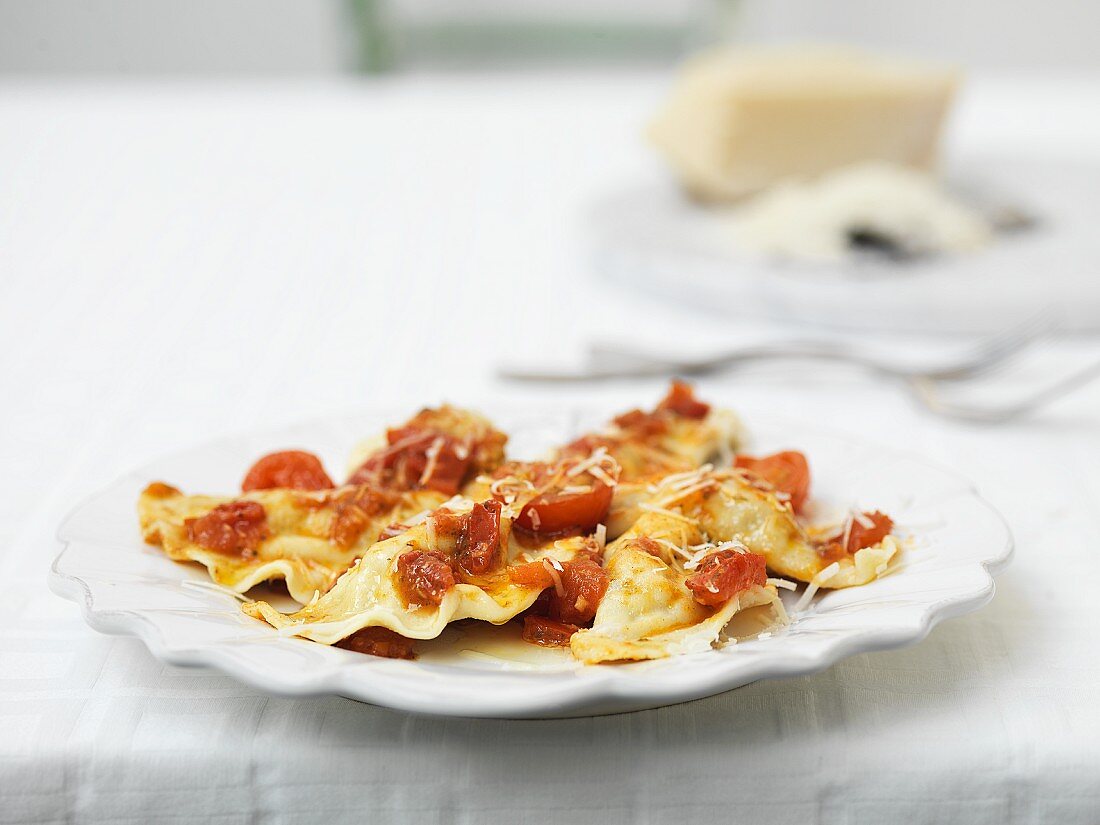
(616, 361)
(924, 383)
(927, 392)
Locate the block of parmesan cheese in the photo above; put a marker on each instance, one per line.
(738, 121)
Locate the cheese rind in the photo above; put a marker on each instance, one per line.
(740, 121)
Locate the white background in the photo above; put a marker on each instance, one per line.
(181, 261)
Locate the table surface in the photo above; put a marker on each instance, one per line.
(179, 261)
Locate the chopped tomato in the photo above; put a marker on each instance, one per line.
(233, 529)
(354, 509)
(641, 424)
(293, 469)
(682, 401)
(859, 535)
(679, 401)
(448, 525)
(379, 641)
(538, 630)
(477, 546)
(416, 459)
(584, 583)
(442, 464)
(722, 575)
(424, 577)
(532, 574)
(788, 472)
(476, 435)
(862, 536)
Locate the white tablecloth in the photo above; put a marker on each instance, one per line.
(178, 262)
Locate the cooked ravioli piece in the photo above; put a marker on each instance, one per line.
(680, 434)
(439, 448)
(454, 565)
(741, 509)
(732, 505)
(655, 607)
(307, 538)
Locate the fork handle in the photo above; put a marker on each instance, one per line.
(625, 361)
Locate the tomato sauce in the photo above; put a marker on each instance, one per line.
(379, 641)
(724, 574)
(233, 529)
(539, 630)
(355, 508)
(417, 459)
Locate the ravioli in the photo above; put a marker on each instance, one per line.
(649, 610)
(372, 593)
(731, 505)
(307, 538)
(433, 526)
(681, 434)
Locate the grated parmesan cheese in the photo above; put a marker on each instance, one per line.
(708, 549)
(674, 548)
(214, 587)
(862, 520)
(419, 517)
(553, 567)
(601, 536)
(816, 582)
(593, 460)
(670, 513)
(432, 454)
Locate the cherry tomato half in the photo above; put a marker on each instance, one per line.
(560, 512)
(788, 472)
(294, 469)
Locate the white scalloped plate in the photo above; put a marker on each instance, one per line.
(128, 588)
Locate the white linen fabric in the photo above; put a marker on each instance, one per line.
(183, 262)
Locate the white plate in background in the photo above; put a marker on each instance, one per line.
(126, 587)
(650, 237)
